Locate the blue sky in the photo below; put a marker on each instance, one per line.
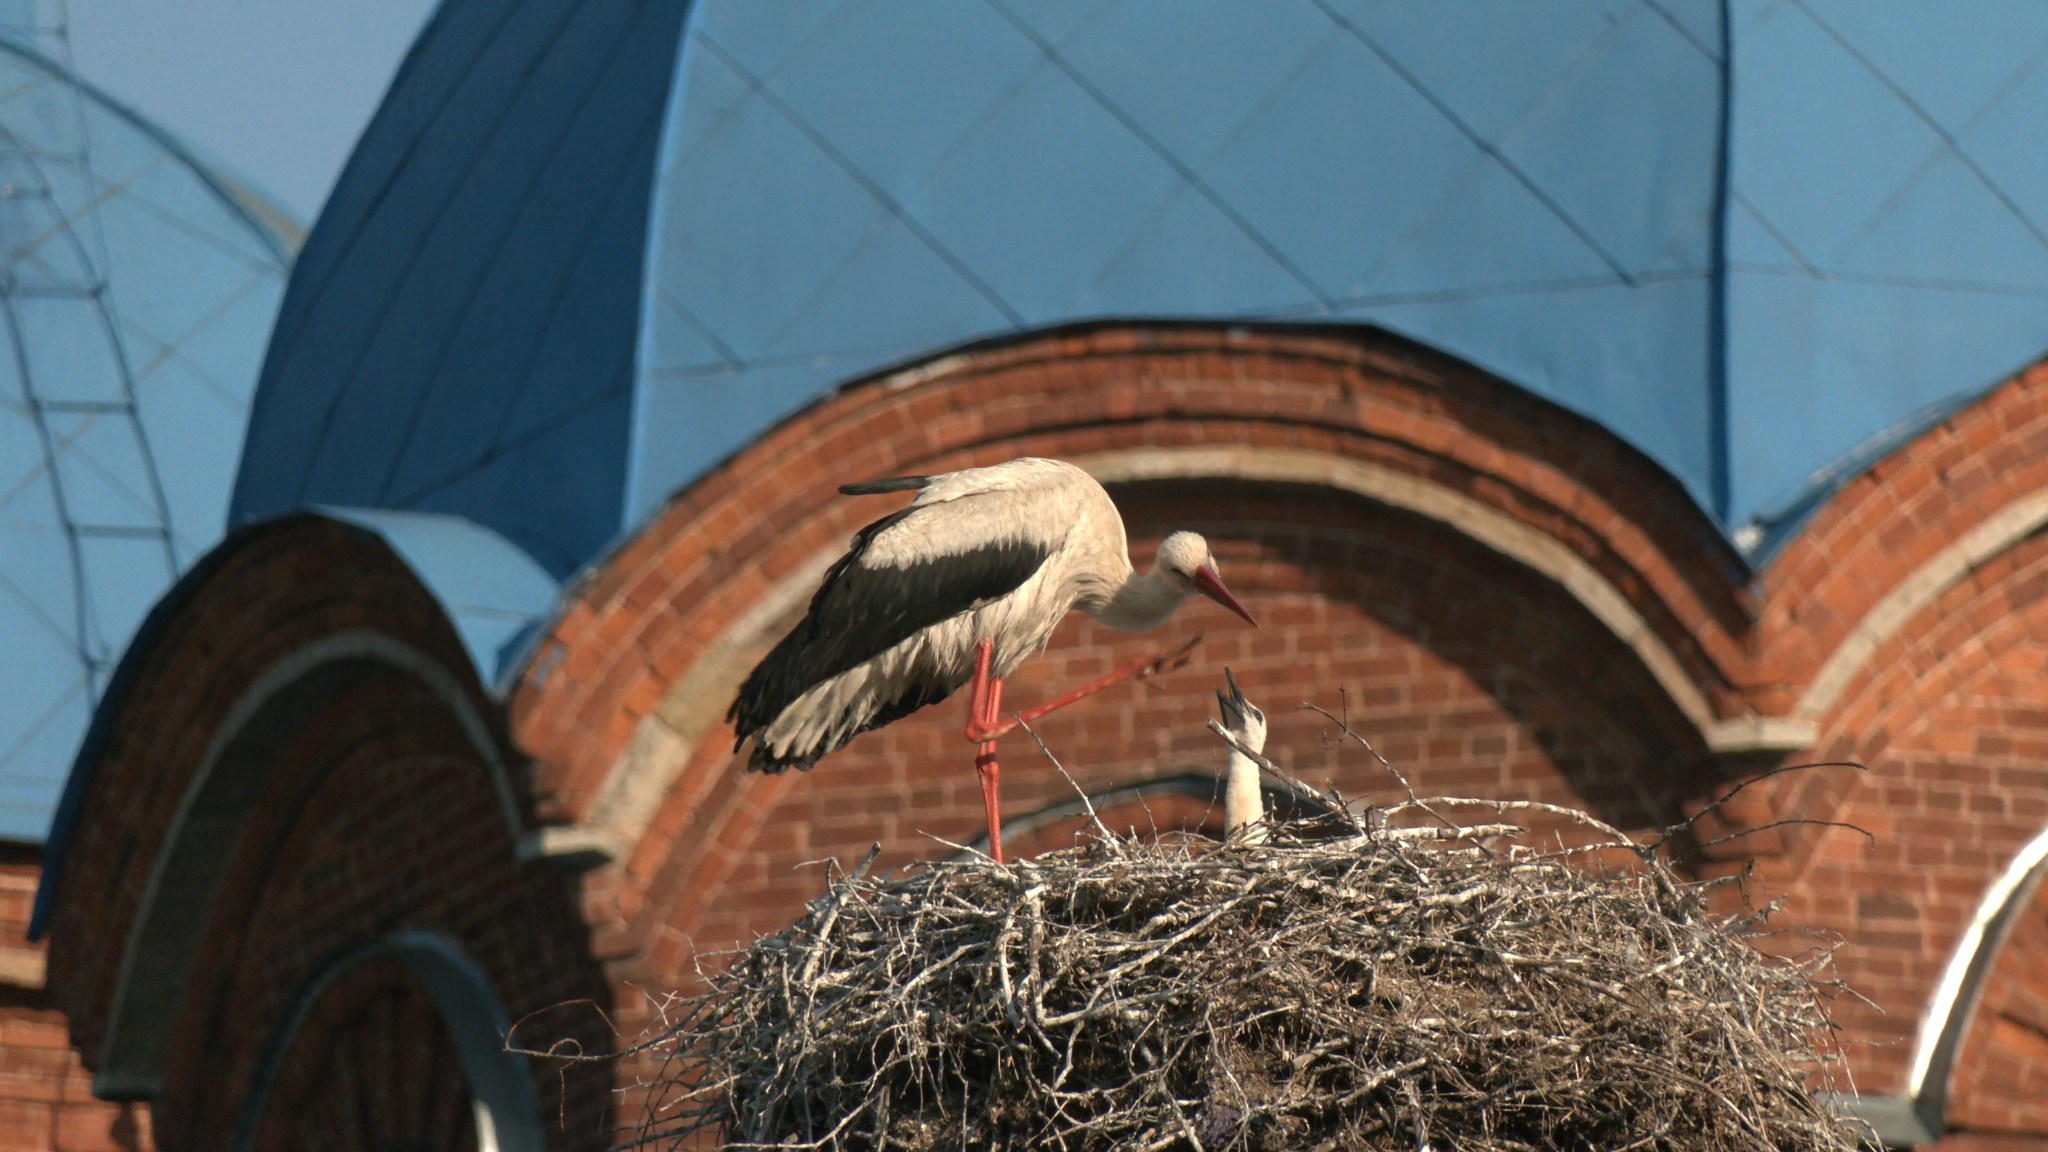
(276, 91)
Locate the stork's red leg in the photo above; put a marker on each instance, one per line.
(991, 774)
(985, 723)
(1136, 670)
(984, 704)
(977, 695)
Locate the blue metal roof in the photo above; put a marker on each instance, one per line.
(138, 293)
(1531, 187)
(458, 336)
(584, 253)
(1537, 188)
(1887, 226)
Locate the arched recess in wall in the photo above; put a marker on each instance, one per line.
(466, 1064)
(1362, 413)
(1953, 1009)
(229, 668)
(693, 706)
(203, 838)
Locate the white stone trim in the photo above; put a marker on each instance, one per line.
(1494, 529)
(1955, 1000)
(2005, 528)
(1760, 734)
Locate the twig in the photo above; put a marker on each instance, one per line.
(1108, 837)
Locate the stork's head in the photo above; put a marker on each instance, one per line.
(1185, 559)
(1240, 716)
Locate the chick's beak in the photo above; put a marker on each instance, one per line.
(1232, 704)
(1211, 585)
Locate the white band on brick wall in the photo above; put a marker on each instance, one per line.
(2008, 526)
(1462, 514)
(1949, 1014)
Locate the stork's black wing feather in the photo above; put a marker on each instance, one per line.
(891, 484)
(860, 612)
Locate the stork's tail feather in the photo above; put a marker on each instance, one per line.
(879, 487)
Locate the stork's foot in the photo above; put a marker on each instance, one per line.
(993, 727)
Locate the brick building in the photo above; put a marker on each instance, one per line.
(1581, 478)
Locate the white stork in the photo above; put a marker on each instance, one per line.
(1244, 803)
(963, 584)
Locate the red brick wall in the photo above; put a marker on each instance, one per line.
(1950, 716)
(650, 610)
(1888, 521)
(386, 821)
(1953, 736)
(275, 591)
(46, 1098)
(1867, 540)
(1475, 672)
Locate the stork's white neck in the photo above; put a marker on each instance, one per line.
(1243, 802)
(1143, 603)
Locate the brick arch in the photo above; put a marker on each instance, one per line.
(416, 1003)
(737, 550)
(271, 700)
(1920, 546)
(374, 820)
(1999, 1080)
(1894, 540)
(262, 596)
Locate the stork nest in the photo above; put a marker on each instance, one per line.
(1364, 986)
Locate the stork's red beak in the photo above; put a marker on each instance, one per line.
(1212, 586)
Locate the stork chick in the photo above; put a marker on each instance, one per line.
(960, 587)
(1243, 800)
